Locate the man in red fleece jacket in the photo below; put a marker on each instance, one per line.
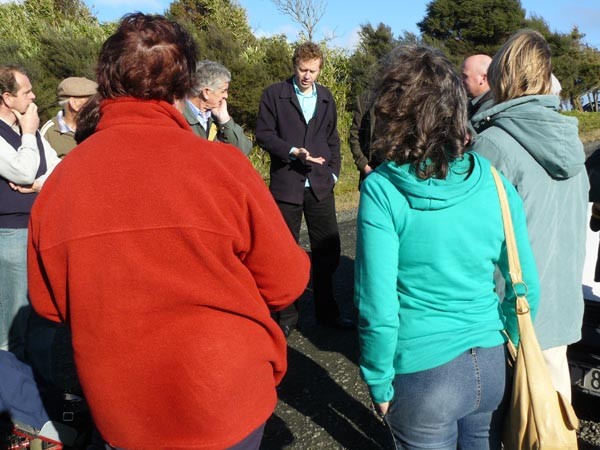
(165, 261)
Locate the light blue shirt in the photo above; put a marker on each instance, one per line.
(62, 125)
(202, 117)
(308, 102)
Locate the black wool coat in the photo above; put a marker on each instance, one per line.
(280, 126)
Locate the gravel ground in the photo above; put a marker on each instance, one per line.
(323, 403)
(587, 408)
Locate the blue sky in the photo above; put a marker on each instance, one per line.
(344, 17)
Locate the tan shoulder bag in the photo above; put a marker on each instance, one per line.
(538, 417)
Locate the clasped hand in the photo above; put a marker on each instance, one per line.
(28, 189)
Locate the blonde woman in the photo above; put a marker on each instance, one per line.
(540, 153)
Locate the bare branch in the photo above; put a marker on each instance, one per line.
(306, 13)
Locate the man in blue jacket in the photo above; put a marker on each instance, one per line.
(297, 126)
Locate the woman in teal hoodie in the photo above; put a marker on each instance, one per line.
(430, 235)
(539, 151)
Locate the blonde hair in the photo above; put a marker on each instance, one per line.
(521, 67)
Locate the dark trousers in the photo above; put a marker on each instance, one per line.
(324, 237)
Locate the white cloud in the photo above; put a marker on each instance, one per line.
(291, 32)
(347, 41)
(352, 39)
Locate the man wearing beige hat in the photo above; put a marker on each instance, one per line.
(72, 94)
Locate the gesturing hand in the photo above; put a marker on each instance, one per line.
(304, 154)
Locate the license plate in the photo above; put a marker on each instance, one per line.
(591, 381)
(576, 373)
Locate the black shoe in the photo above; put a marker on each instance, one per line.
(287, 330)
(339, 323)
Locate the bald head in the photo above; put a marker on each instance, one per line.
(474, 74)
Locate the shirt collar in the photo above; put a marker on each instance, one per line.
(193, 108)
(202, 116)
(300, 93)
(62, 125)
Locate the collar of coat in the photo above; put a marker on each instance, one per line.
(130, 110)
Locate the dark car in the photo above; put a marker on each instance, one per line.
(584, 356)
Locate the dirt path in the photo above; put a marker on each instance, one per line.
(323, 402)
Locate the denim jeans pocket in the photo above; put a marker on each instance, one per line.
(9, 231)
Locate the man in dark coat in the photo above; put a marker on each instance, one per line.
(592, 165)
(475, 81)
(297, 126)
(361, 134)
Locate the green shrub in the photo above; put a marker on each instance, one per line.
(588, 121)
(589, 125)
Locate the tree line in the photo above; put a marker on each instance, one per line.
(55, 39)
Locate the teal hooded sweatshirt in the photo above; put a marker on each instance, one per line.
(424, 270)
(538, 150)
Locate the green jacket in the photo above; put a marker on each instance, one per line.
(229, 132)
(62, 143)
(539, 151)
(426, 251)
(361, 131)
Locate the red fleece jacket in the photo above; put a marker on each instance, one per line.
(165, 253)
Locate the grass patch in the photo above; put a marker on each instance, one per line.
(346, 189)
(589, 124)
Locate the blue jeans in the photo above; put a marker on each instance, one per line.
(457, 404)
(14, 305)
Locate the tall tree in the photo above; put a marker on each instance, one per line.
(52, 39)
(471, 26)
(222, 33)
(221, 15)
(574, 63)
(374, 44)
(306, 13)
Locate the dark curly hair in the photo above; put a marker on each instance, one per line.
(421, 111)
(149, 57)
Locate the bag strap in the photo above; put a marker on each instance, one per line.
(514, 265)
